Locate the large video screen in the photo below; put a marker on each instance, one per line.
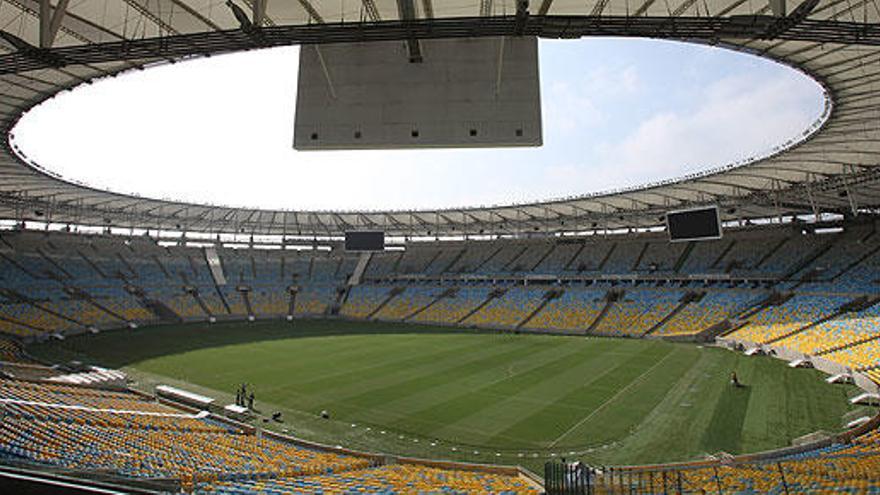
(694, 225)
(365, 241)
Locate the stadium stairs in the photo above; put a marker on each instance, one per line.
(161, 266)
(94, 302)
(858, 261)
(685, 254)
(686, 299)
(545, 299)
(772, 299)
(443, 295)
(245, 293)
(640, 257)
(493, 294)
(201, 302)
(55, 264)
(805, 263)
(162, 312)
(611, 297)
(222, 298)
(487, 259)
(513, 265)
(291, 304)
(769, 254)
(542, 258)
(604, 262)
(568, 264)
(394, 292)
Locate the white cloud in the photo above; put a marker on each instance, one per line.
(735, 118)
(573, 104)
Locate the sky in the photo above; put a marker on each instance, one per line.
(617, 113)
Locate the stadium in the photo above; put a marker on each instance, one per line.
(717, 332)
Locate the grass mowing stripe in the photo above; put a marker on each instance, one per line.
(302, 358)
(552, 391)
(634, 404)
(539, 424)
(547, 423)
(611, 399)
(408, 381)
(678, 422)
(724, 432)
(536, 431)
(523, 400)
(357, 374)
(465, 401)
(438, 388)
(457, 408)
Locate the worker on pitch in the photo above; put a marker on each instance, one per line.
(734, 380)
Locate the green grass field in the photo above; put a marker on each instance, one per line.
(510, 398)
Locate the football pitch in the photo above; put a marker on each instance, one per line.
(481, 396)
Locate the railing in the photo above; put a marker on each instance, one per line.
(852, 470)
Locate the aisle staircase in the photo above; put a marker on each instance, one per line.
(359, 269)
(610, 298)
(494, 294)
(545, 299)
(686, 299)
(445, 294)
(394, 292)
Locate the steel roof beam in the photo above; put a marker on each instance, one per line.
(414, 29)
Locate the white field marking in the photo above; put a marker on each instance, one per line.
(610, 400)
(100, 410)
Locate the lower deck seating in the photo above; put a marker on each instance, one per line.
(713, 308)
(638, 312)
(798, 312)
(185, 305)
(364, 300)
(507, 310)
(453, 308)
(392, 479)
(857, 357)
(412, 299)
(127, 308)
(212, 300)
(27, 319)
(17, 329)
(314, 300)
(10, 351)
(843, 330)
(235, 301)
(575, 310)
(82, 311)
(269, 301)
(130, 435)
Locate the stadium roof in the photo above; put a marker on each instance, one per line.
(833, 168)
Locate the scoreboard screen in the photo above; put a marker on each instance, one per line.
(365, 241)
(694, 225)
